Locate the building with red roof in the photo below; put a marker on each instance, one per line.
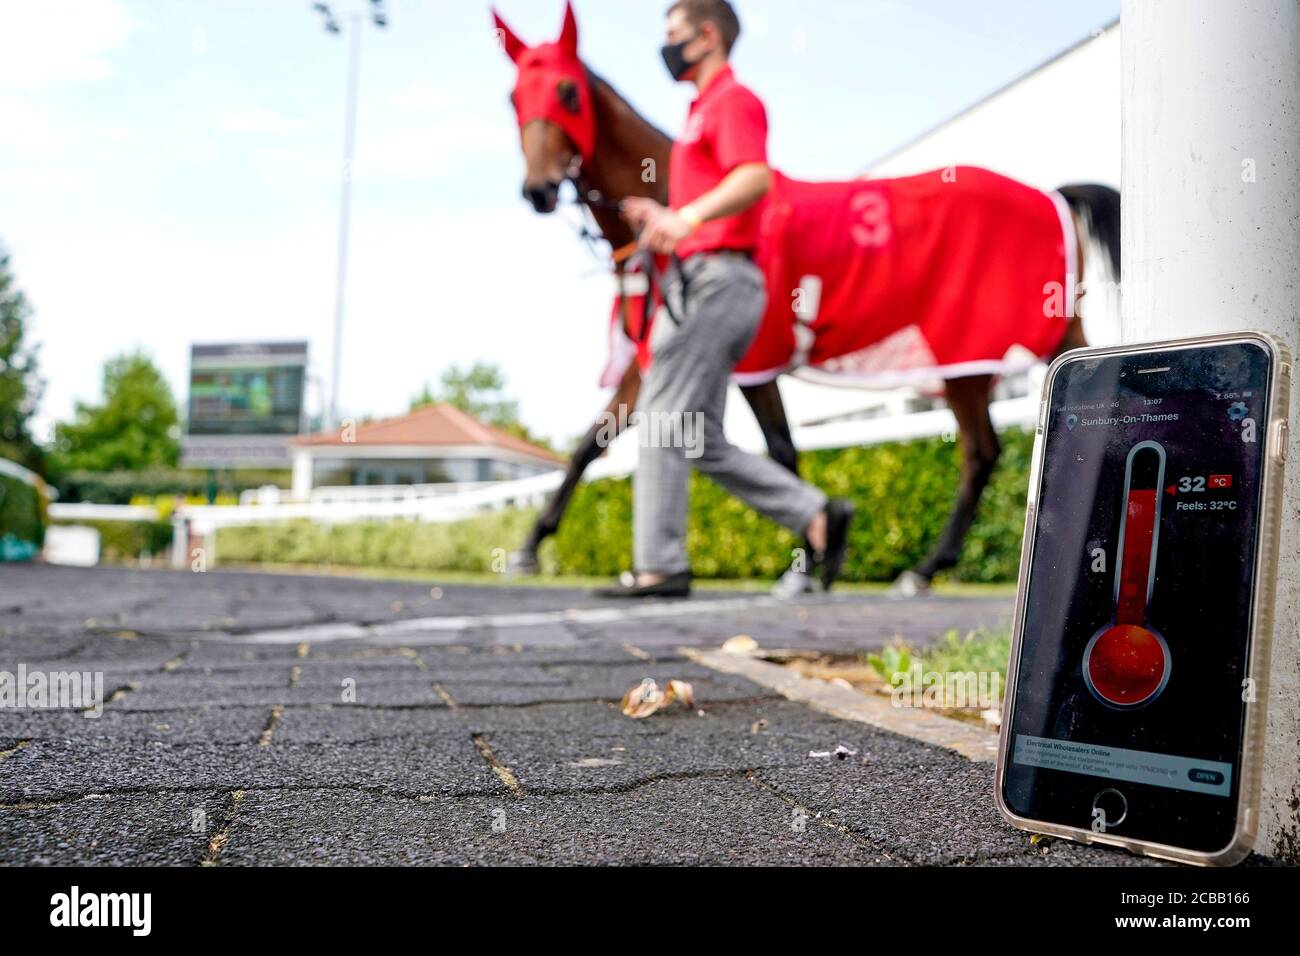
(430, 445)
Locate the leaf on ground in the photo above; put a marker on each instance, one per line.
(742, 645)
(680, 690)
(646, 698)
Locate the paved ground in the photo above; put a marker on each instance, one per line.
(259, 719)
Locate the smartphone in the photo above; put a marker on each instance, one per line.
(1134, 712)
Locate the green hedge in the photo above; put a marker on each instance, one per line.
(469, 545)
(904, 492)
(120, 487)
(22, 520)
(128, 540)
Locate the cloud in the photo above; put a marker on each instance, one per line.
(46, 44)
(424, 152)
(258, 121)
(424, 96)
(28, 128)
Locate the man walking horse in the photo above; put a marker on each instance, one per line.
(715, 298)
(944, 274)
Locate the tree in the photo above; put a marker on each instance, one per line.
(479, 390)
(134, 428)
(20, 386)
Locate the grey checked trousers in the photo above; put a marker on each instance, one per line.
(681, 406)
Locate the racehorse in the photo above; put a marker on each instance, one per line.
(575, 128)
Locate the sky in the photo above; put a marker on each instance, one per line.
(170, 172)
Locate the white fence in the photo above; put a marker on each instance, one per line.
(88, 511)
(620, 460)
(332, 494)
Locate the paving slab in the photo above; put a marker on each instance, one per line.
(487, 693)
(499, 673)
(547, 763)
(61, 770)
(224, 724)
(713, 821)
(587, 719)
(167, 696)
(161, 829)
(352, 724)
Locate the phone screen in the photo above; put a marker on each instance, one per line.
(1131, 685)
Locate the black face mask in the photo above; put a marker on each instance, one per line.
(674, 55)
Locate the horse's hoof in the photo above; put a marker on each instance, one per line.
(909, 584)
(793, 583)
(521, 564)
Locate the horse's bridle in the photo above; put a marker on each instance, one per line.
(588, 196)
(587, 193)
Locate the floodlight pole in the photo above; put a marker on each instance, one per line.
(352, 24)
(345, 212)
(1211, 227)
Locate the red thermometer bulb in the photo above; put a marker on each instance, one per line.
(1126, 664)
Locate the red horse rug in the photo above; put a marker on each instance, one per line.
(883, 282)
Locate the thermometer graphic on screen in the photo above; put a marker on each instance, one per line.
(1126, 664)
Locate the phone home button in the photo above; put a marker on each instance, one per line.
(1109, 809)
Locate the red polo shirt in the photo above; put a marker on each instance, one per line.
(725, 128)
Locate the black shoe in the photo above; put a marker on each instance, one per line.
(839, 515)
(675, 585)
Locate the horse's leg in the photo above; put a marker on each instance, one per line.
(969, 400)
(610, 424)
(765, 402)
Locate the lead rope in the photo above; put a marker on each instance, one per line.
(585, 197)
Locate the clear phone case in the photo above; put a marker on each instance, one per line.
(1261, 627)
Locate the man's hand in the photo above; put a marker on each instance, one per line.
(661, 228)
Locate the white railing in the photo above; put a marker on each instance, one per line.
(494, 496)
(329, 494)
(339, 493)
(88, 511)
(1007, 413)
(618, 462)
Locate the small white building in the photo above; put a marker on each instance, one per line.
(436, 444)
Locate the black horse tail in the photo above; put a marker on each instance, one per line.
(1098, 207)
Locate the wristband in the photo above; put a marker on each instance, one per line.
(691, 216)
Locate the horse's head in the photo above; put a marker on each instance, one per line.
(552, 100)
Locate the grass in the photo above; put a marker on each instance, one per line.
(979, 651)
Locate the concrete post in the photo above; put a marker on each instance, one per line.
(180, 539)
(302, 475)
(1211, 239)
